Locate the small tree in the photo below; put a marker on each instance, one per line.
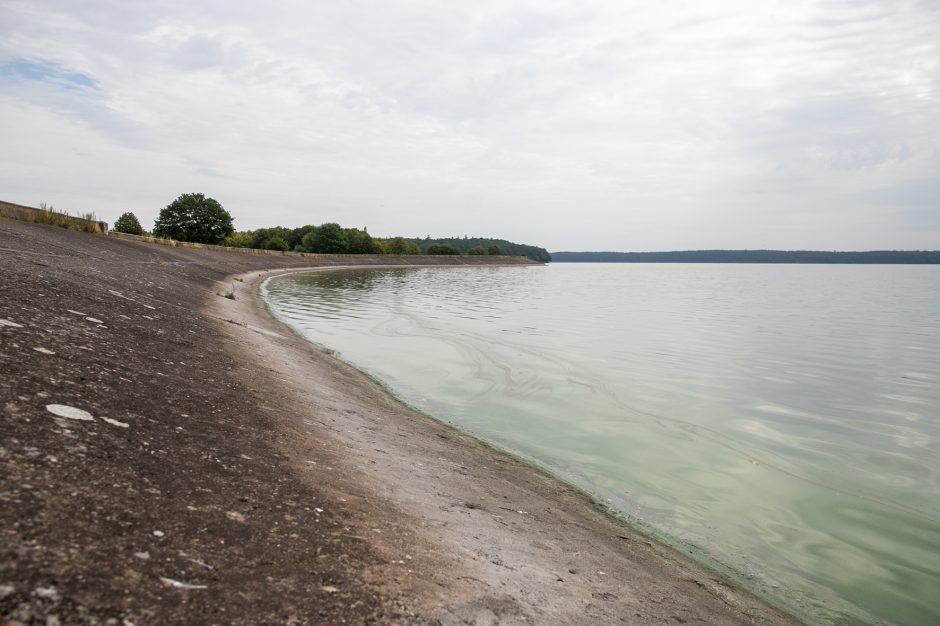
(477, 251)
(494, 250)
(128, 223)
(194, 217)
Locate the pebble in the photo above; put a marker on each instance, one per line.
(69, 412)
(4, 322)
(44, 350)
(94, 319)
(6, 590)
(181, 585)
(47, 593)
(143, 556)
(113, 422)
(158, 533)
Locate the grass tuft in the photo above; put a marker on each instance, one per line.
(85, 222)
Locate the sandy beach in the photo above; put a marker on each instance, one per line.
(227, 471)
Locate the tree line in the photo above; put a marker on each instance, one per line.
(197, 218)
(482, 245)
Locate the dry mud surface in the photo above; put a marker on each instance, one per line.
(227, 472)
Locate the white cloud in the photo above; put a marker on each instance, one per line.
(605, 125)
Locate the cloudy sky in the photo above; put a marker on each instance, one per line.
(574, 125)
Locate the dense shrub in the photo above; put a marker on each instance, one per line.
(128, 223)
(442, 248)
(400, 245)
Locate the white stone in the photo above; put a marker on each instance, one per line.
(180, 585)
(4, 322)
(108, 420)
(69, 412)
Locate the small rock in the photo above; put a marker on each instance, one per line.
(329, 588)
(76, 312)
(94, 319)
(143, 556)
(235, 516)
(180, 585)
(46, 593)
(43, 350)
(6, 590)
(113, 422)
(9, 324)
(158, 533)
(69, 412)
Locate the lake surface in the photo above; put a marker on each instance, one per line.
(782, 422)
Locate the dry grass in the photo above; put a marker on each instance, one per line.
(85, 222)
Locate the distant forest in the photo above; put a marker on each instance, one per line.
(753, 256)
(331, 238)
(467, 245)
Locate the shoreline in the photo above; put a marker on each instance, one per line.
(723, 582)
(231, 472)
(595, 500)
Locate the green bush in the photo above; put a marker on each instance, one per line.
(194, 217)
(129, 224)
(400, 245)
(238, 239)
(276, 243)
(442, 248)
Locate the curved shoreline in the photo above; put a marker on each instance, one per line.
(225, 470)
(625, 543)
(596, 500)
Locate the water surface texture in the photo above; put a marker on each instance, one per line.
(782, 420)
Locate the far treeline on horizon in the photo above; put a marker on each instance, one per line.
(918, 257)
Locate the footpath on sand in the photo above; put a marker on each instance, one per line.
(173, 456)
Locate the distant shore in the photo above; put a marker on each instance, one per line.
(873, 257)
(228, 471)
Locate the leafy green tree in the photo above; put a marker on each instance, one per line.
(329, 238)
(493, 250)
(477, 251)
(194, 217)
(442, 248)
(129, 224)
(239, 239)
(359, 242)
(276, 243)
(400, 245)
(309, 241)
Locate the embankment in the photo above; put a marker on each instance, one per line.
(232, 473)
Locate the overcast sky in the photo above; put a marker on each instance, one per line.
(575, 125)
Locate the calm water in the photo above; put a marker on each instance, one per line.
(782, 420)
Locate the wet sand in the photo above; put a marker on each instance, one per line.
(259, 480)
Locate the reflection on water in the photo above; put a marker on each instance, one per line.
(785, 420)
